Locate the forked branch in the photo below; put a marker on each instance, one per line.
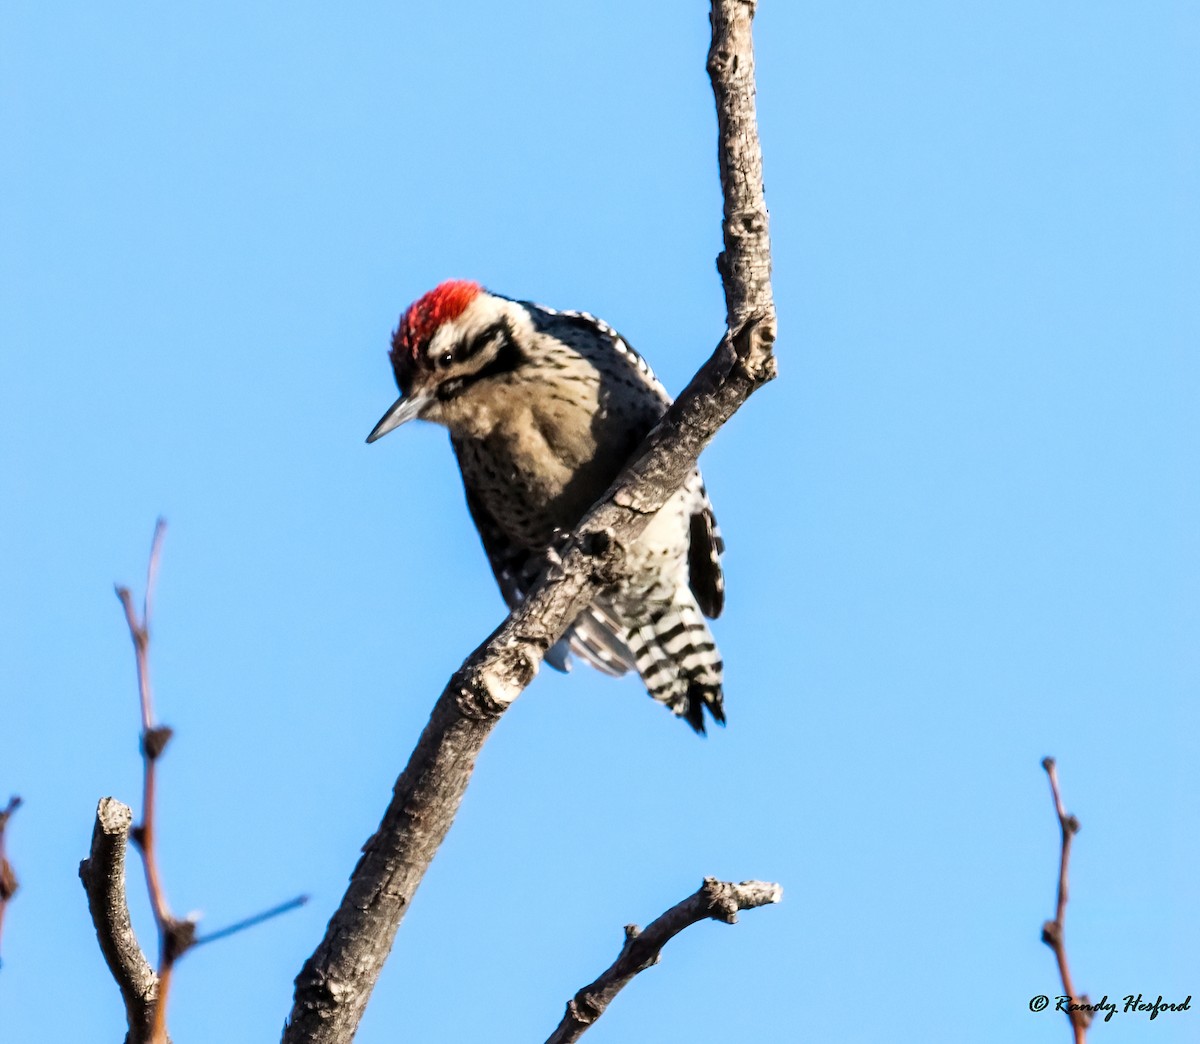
(715, 900)
(175, 935)
(143, 991)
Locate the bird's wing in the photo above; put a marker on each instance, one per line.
(510, 562)
(705, 547)
(705, 544)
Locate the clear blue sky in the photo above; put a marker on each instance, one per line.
(962, 525)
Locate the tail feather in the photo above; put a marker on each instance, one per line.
(678, 661)
(596, 637)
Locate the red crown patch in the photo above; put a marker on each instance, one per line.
(444, 302)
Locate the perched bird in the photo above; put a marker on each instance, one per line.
(544, 408)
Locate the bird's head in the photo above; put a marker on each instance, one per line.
(448, 341)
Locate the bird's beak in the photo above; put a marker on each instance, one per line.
(403, 409)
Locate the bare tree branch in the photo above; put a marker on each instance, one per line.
(335, 983)
(103, 872)
(1053, 931)
(745, 264)
(103, 876)
(175, 935)
(715, 900)
(8, 876)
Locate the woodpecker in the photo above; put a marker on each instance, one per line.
(544, 407)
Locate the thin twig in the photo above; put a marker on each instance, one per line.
(8, 876)
(251, 922)
(335, 983)
(103, 872)
(152, 564)
(1053, 932)
(715, 900)
(175, 935)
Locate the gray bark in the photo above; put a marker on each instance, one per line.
(103, 876)
(714, 900)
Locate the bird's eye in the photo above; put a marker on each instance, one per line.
(445, 359)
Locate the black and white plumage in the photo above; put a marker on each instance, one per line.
(544, 408)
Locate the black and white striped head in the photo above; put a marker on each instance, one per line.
(455, 336)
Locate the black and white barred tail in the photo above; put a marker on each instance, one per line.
(670, 646)
(675, 654)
